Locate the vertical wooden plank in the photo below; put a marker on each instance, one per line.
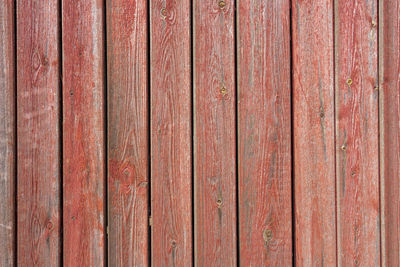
(264, 135)
(38, 133)
(83, 132)
(127, 132)
(356, 80)
(171, 170)
(389, 64)
(214, 133)
(7, 134)
(314, 133)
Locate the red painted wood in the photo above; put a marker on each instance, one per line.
(127, 133)
(389, 63)
(314, 133)
(38, 111)
(83, 133)
(7, 134)
(264, 136)
(170, 91)
(214, 133)
(357, 133)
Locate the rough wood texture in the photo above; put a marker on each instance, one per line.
(38, 133)
(264, 135)
(127, 133)
(83, 132)
(171, 204)
(7, 134)
(214, 133)
(314, 133)
(389, 64)
(357, 133)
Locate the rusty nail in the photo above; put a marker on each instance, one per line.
(221, 4)
(373, 23)
(343, 147)
(219, 202)
(349, 81)
(376, 88)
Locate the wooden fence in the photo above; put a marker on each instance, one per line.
(204, 132)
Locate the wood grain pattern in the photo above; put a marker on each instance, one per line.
(389, 98)
(314, 133)
(83, 133)
(171, 204)
(214, 133)
(38, 109)
(264, 164)
(7, 134)
(357, 133)
(127, 133)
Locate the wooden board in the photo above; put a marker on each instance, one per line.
(214, 133)
(171, 171)
(314, 133)
(389, 64)
(127, 133)
(7, 134)
(356, 70)
(38, 110)
(264, 155)
(83, 133)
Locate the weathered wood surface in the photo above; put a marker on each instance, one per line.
(171, 171)
(214, 133)
(128, 151)
(264, 135)
(171, 131)
(389, 64)
(38, 110)
(314, 133)
(357, 157)
(7, 134)
(83, 133)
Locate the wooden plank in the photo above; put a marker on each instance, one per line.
(264, 135)
(83, 133)
(127, 133)
(214, 133)
(7, 134)
(357, 168)
(314, 133)
(171, 204)
(38, 110)
(389, 64)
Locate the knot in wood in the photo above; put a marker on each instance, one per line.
(223, 91)
(267, 235)
(164, 13)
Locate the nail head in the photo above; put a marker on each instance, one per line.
(349, 81)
